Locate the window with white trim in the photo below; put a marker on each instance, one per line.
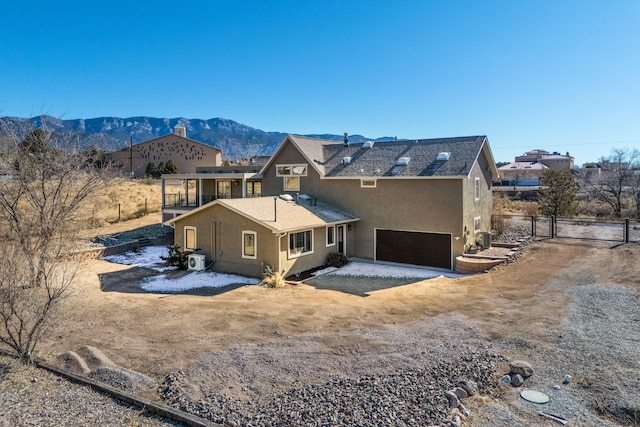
(300, 243)
(367, 183)
(189, 238)
(331, 235)
(477, 225)
(476, 188)
(291, 183)
(291, 175)
(249, 249)
(291, 170)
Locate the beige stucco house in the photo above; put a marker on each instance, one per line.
(527, 169)
(186, 153)
(418, 202)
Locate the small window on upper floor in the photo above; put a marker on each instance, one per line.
(291, 170)
(291, 183)
(476, 188)
(367, 183)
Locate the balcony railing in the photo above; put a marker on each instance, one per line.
(181, 201)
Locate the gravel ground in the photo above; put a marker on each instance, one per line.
(34, 397)
(402, 384)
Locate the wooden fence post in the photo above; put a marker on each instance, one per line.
(118, 212)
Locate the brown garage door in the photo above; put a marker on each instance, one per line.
(408, 247)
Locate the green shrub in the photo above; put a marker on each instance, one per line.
(178, 258)
(336, 259)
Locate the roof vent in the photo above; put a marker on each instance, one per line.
(368, 144)
(346, 139)
(346, 160)
(403, 161)
(443, 155)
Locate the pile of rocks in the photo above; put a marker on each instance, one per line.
(404, 398)
(519, 371)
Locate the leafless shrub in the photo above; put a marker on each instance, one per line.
(41, 200)
(272, 278)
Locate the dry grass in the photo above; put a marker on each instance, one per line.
(504, 205)
(125, 199)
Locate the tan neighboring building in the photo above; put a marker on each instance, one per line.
(420, 202)
(186, 153)
(527, 169)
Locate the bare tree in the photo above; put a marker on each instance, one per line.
(46, 183)
(618, 179)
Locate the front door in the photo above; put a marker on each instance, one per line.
(341, 240)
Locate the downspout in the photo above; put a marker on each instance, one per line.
(279, 254)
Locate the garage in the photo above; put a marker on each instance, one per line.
(411, 247)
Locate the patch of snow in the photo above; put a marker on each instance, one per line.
(148, 257)
(325, 271)
(194, 280)
(391, 271)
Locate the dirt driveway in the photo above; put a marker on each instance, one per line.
(518, 307)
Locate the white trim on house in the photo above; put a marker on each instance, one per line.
(292, 169)
(244, 244)
(284, 183)
(477, 224)
(188, 228)
(333, 236)
(368, 182)
(306, 233)
(476, 188)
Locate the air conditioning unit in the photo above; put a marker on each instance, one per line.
(485, 240)
(196, 262)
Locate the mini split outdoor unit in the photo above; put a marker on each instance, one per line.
(196, 262)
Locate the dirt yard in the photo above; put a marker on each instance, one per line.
(241, 342)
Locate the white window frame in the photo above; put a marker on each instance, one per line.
(476, 188)
(291, 167)
(477, 225)
(363, 180)
(331, 227)
(255, 244)
(188, 228)
(301, 253)
(284, 183)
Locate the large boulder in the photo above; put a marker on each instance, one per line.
(521, 367)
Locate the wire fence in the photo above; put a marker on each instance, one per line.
(623, 230)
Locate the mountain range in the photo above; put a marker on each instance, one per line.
(236, 140)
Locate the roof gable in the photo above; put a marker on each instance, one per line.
(329, 158)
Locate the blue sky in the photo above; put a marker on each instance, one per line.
(558, 75)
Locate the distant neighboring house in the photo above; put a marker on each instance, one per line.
(420, 202)
(186, 153)
(527, 169)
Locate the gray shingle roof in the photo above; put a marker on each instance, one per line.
(287, 216)
(381, 159)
